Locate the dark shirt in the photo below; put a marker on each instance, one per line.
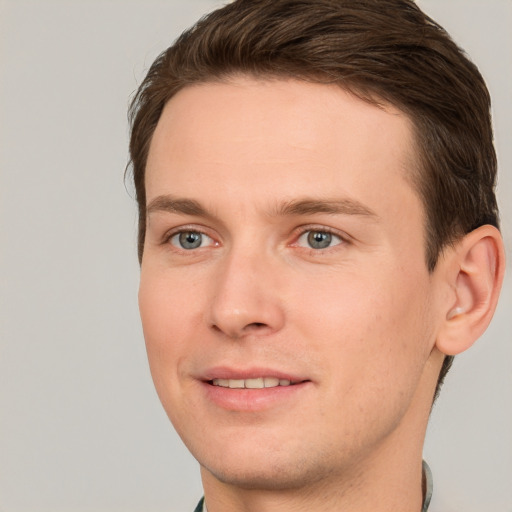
(199, 507)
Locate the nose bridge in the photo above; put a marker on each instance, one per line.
(246, 299)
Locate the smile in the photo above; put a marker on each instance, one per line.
(253, 390)
(256, 383)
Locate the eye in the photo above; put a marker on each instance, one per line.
(317, 239)
(189, 240)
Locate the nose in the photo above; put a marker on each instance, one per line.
(246, 297)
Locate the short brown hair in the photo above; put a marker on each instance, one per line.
(384, 51)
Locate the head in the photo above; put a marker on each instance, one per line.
(385, 54)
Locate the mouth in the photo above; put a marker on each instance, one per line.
(252, 390)
(253, 383)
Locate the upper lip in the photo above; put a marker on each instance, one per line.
(224, 372)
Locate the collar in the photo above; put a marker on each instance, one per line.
(427, 484)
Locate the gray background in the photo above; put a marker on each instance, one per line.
(81, 428)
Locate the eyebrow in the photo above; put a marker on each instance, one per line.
(343, 206)
(296, 207)
(171, 204)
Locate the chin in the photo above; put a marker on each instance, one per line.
(261, 469)
(265, 478)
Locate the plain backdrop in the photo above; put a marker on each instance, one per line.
(81, 428)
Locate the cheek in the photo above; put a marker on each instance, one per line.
(166, 319)
(168, 306)
(369, 329)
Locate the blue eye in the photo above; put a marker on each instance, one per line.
(189, 240)
(318, 239)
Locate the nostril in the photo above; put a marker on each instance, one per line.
(254, 326)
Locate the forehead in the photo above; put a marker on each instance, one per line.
(261, 138)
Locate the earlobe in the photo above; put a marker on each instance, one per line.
(479, 263)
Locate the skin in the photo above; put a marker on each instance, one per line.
(252, 168)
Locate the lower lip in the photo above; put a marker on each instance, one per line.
(252, 400)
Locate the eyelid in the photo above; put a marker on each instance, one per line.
(205, 241)
(297, 233)
(300, 231)
(194, 228)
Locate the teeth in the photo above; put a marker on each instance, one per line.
(257, 383)
(271, 382)
(254, 383)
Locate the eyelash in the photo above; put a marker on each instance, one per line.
(304, 230)
(185, 230)
(299, 232)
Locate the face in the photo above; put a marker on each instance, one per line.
(287, 308)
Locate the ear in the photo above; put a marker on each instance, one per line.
(476, 268)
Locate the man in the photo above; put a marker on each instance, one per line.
(318, 238)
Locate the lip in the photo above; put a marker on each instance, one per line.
(224, 372)
(252, 400)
